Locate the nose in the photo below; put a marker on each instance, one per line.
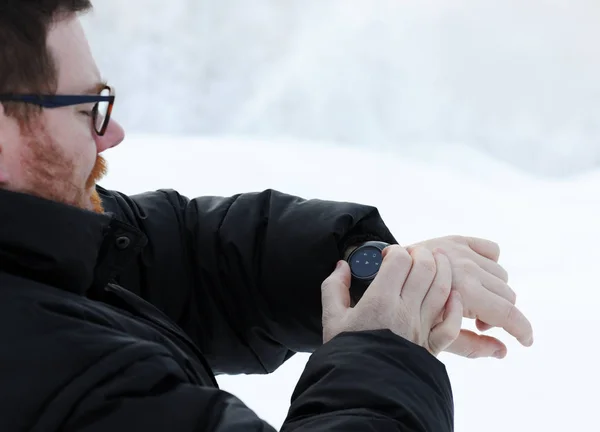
(113, 136)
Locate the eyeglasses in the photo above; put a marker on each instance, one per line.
(103, 104)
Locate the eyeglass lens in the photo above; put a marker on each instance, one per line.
(102, 111)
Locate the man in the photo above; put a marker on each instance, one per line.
(117, 310)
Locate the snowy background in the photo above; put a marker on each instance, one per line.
(519, 80)
(479, 117)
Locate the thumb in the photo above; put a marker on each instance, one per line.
(335, 291)
(443, 334)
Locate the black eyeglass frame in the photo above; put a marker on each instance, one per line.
(58, 101)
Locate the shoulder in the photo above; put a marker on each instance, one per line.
(61, 347)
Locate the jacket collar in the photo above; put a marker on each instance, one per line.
(63, 246)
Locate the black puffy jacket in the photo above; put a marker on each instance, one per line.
(118, 321)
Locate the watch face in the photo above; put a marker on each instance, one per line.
(365, 262)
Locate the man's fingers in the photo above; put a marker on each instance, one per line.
(335, 291)
(481, 326)
(437, 296)
(491, 282)
(420, 278)
(392, 274)
(444, 333)
(490, 266)
(499, 312)
(487, 248)
(471, 345)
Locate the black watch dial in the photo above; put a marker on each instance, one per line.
(365, 262)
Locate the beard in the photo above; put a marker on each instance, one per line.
(98, 172)
(50, 173)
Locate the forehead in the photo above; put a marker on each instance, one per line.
(75, 64)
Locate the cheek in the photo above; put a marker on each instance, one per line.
(12, 153)
(74, 135)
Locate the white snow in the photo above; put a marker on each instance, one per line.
(306, 95)
(516, 79)
(547, 230)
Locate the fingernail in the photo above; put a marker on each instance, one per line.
(338, 265)
(529, 341)
(499, 354)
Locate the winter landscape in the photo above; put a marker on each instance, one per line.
(472, 118)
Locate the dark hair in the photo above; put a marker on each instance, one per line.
(26, 63)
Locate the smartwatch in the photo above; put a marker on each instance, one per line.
(364, 262)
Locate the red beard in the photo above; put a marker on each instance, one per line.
(98, 172)
(49, 175)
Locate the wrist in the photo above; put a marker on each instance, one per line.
(364, 261)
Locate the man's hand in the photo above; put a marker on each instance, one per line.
(485, 294)
(407, 296)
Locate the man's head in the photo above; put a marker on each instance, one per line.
(53, 153)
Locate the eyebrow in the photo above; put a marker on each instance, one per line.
(96, 88)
